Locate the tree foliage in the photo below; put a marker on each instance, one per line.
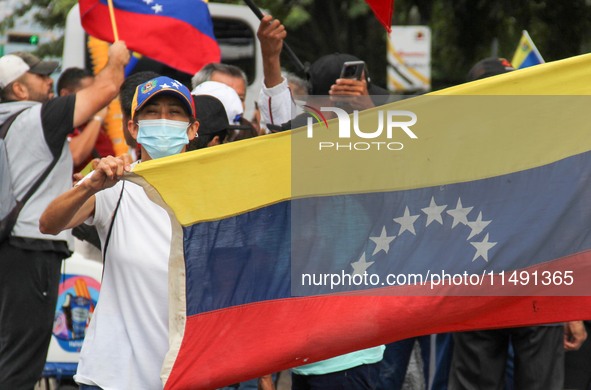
(463, 31)
(50, 14)
(319, 27)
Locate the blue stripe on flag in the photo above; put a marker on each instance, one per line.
(498, 224)
(193, 12)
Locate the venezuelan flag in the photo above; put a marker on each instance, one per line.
(178, 33)
(527, 53)
(285, 252)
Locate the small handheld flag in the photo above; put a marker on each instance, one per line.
(526, 54)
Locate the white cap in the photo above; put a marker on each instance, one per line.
(224, 94)
(11, 68)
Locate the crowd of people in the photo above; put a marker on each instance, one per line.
(162, 117)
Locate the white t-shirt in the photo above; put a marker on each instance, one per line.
(127, 338)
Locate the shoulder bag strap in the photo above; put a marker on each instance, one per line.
(3, 131)
(6, 125)
(108, 238)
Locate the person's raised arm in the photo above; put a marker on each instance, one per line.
(275, 101)
(73, 207)
(271, 34)
(105, 87)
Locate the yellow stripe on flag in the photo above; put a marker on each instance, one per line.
(464, 133)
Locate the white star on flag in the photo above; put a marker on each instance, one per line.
(164, 86)
(482, 248)
(148, 2)
(157, 8)
(382, 242)
(176, 85)
(459, 214)
(434, 212)
(360, 266)
(477, 226)
(406, 222)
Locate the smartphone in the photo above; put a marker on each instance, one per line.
(352, 70)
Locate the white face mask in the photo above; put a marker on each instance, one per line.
(162, 137)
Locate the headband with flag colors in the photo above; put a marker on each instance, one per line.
(178, 33)
(492, 188)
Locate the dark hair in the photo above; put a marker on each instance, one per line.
(6, 93)
(129, 86)
(71, 77)
(245, 130)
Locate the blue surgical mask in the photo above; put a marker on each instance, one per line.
(162, 137)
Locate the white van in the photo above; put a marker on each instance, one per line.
(234, 27)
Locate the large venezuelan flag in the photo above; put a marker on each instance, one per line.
(496, 188)
(178, 33)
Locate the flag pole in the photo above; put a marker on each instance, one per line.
(112, 17)
(533, 45)
(294, 58)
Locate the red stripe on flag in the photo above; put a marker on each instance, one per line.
(247, 341)
(165, 39)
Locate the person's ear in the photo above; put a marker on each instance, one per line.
(20, 90)
(214, 141)
(133, 128)
(193, 130)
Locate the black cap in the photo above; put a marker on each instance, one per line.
(325, 70)
(323, 73)
(211, 114)
(212, 117)
(489, 67)
(36, 65)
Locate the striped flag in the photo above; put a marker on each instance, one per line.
(288, 250)
(178, 33)
(527, 53)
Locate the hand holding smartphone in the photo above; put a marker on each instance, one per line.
(352, 70)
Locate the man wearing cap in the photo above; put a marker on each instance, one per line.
(127, 338)
(126, 93)
(30, 260)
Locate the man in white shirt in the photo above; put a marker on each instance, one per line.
(127, 338)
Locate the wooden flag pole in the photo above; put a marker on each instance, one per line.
(113, 23)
